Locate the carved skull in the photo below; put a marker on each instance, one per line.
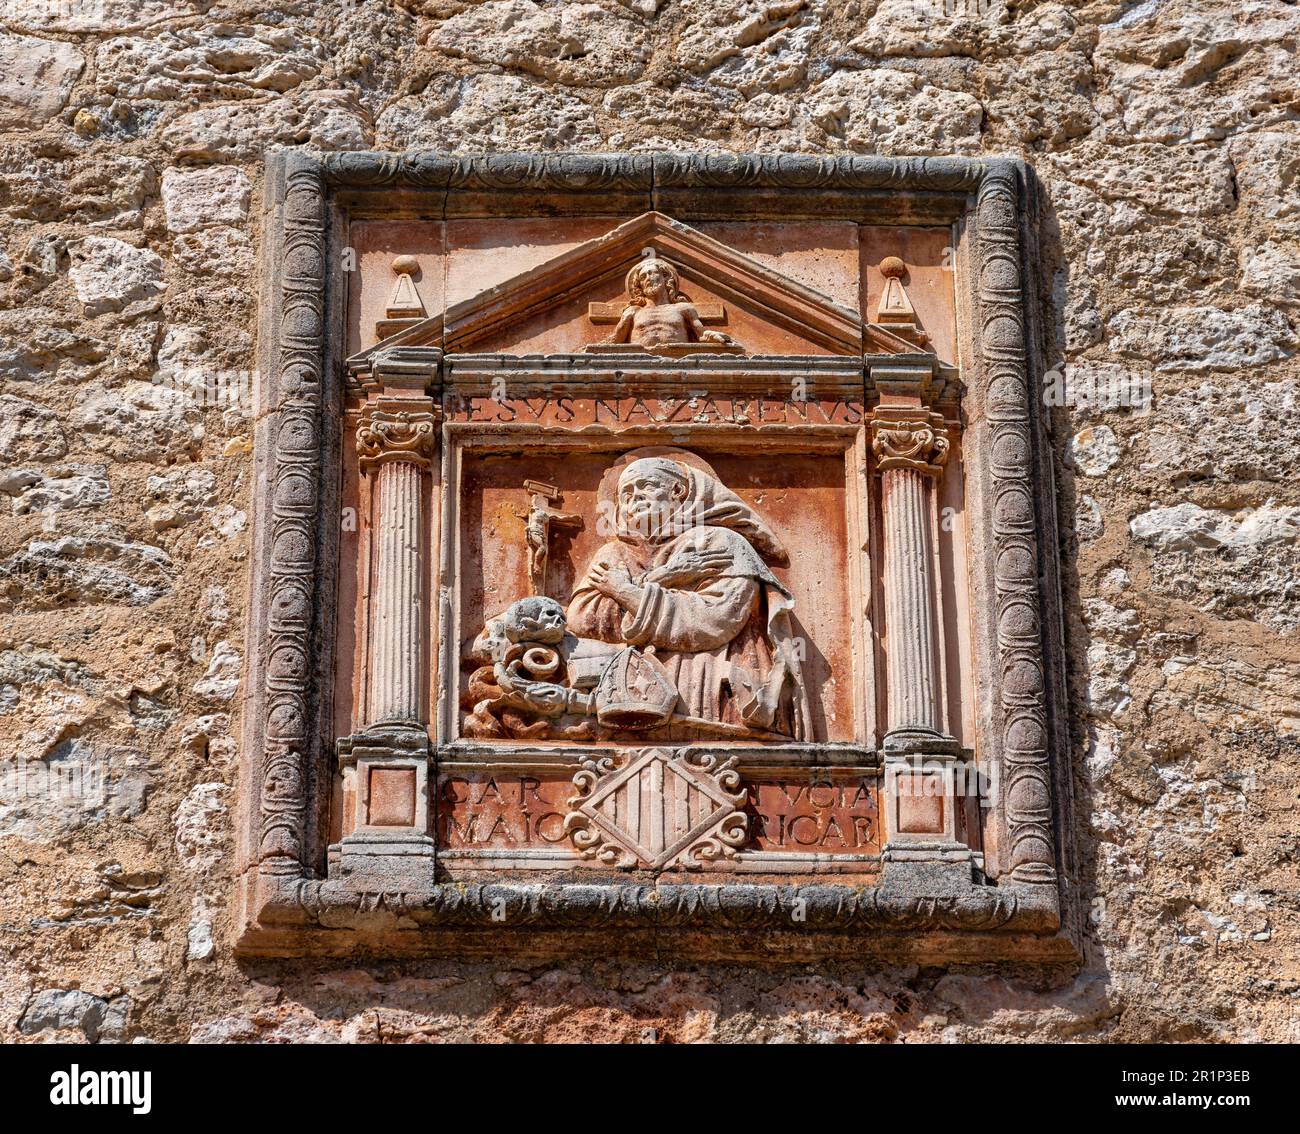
(535, 619)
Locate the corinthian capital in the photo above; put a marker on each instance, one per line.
(402, 436)
(920, 445)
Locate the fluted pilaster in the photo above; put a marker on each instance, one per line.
(395, 450)
(398, 607)
(910, 456)
(909, 605)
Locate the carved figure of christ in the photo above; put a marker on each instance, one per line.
(658, 314)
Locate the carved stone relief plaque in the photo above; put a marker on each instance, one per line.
(666, 606)
(676, 628)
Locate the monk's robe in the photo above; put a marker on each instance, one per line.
(699, 629)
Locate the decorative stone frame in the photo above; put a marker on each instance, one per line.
(922, 909)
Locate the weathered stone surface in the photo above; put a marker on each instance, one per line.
(29, 432)
(200, 824)
(109, 274)
(198, 63)
(56, 489)
(1089, 523)
(1224, 430)
(58, 1009)
(1180, 528)
(223, 252)
(36, 77)
(1046, 98)
(45, 186)
(98, 568)
(220, 682)
(200, 198)
(1185, 527)
(905, 28)
(1172, 181)
(1200, 74)
(138, 421)
(51, 790)
(1233, 563)
(199, 945)
(576, 44)
(1061, 1015)
(1271, 272)
(489, 112)
(894, 112)
(208, 736)
(328, 120)
(770, 56)
(686, 113)
(102, 16)
(718, 32)
(1095, 450)
(35, 667)
(1267, 169)
(183, 495)
(1203, 338)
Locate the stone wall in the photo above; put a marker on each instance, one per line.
(132, 134)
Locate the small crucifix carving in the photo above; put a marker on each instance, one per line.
(539, 520)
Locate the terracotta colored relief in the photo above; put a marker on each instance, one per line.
(718, 571)
(656, 602)
(660, 319)
(661, 583)
(676, 629)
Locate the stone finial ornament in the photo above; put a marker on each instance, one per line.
(405, 307)
(895, 310)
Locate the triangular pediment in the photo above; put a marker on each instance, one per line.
(559, 306)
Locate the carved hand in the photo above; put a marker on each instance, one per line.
(616, 583)
(545, 697)
(717, 337)
(687, 567)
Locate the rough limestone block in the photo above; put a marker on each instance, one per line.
(36, 78)
(200, 198)
(109, 274)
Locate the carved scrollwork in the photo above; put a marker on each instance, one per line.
(662, 809)
(591, 839)
(402, 436)
(918, 445)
